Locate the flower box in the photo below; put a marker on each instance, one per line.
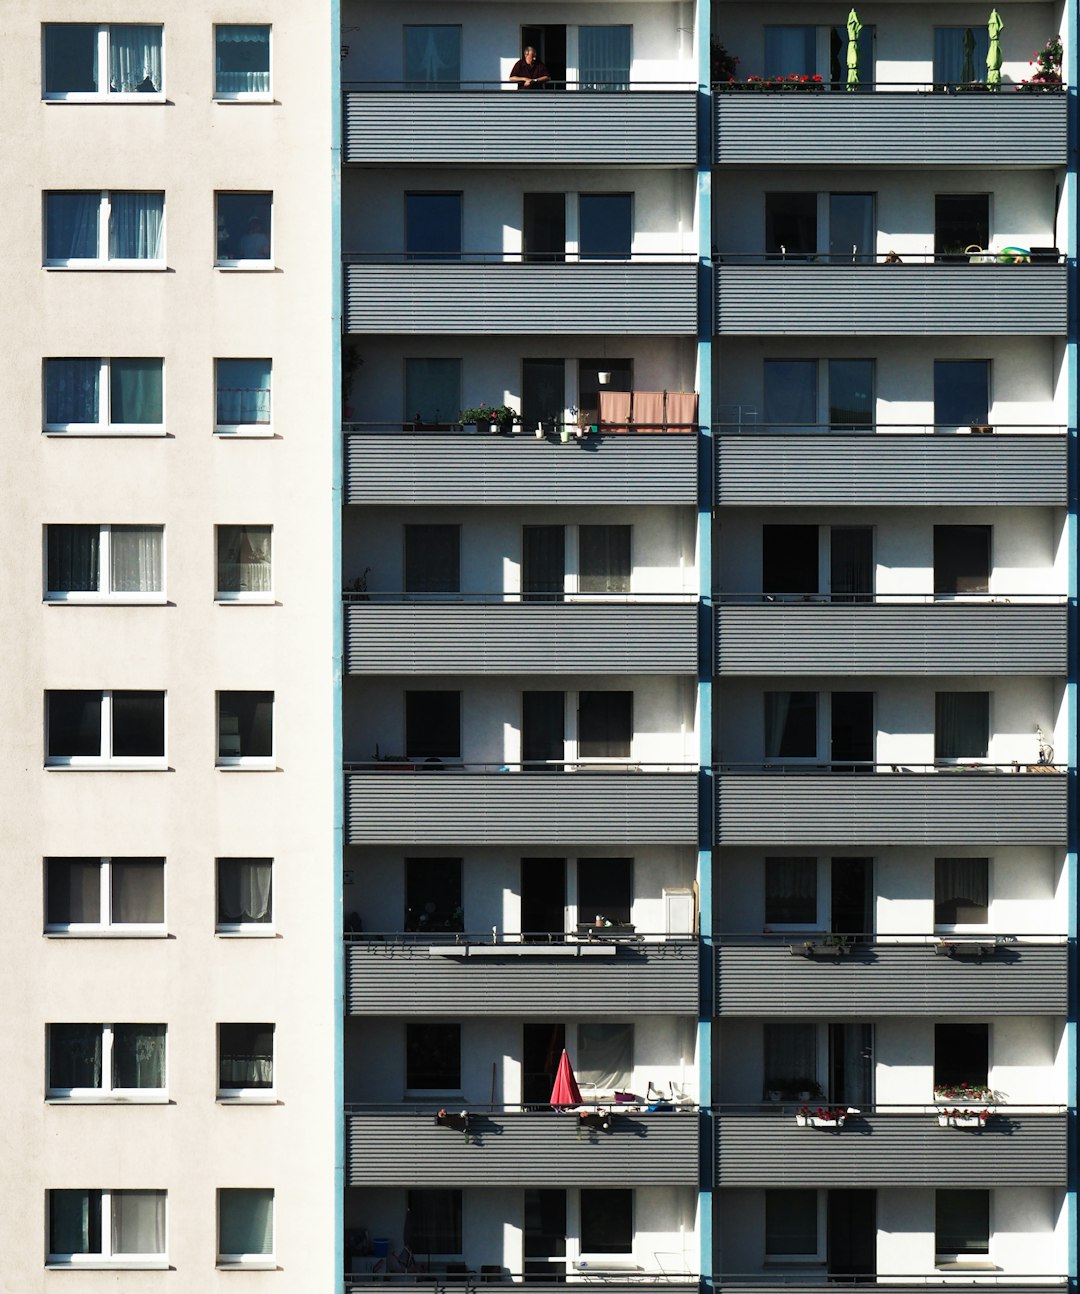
(964, 1118)
(820, 1118)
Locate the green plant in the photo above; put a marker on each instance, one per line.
(483, 413)
(722, 65)
(351, 362)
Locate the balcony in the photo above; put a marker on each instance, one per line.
(799, 298)
(646, 126)
(485, 295)
(505, 1282)
(795, 1282)
(899, 126)
(514, 1147)
(405, 803)
(897, 468)
(764, 1146)
(482, 634)
(592, 977)
(1021, 636)
(893, 975)
(891, 804)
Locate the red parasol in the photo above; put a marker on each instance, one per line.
(565, 1092)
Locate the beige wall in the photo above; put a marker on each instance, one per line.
(189, 481)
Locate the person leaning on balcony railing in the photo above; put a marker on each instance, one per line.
(529, 72)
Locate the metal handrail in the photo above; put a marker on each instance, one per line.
(539, 767)
(450, 428)
(939, 1280)
(874, 85)
(586, 934)
(888, 1109)
(477, 1279)
(517, 598)
(865, 260)
(753, 427)
(466, 260)
(798, 600)
(891, 938)
(412, 1107)
(901, 767)
(502, 85)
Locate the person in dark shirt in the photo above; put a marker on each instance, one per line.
(529, 72)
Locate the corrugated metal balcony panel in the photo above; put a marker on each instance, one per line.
(513, 808)
(625, 128)
(883, 638)
(511, 299)
(889, 980)
(768, 1149)
(388, 979)
(459, 468)
(890, 128)
(956, 1281)
(792, 469)
(891, 808)
(784, 298)
(511, 637)
(517, 1149)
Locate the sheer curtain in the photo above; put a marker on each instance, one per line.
(74, 1222)
(137, 559)
(960, 54)
(138, 1055)
(135, 226)
(962, 725)
(75, 1055)
(246, 1221)
(71, 391)
(604, 559)
(961, 891)
(244, 564)
(243, 391)
(247, 1055)
(434, 1222)
(138, 1222)
(790, 891)
(135, 391)
(244, 890)
(138, 891)
(71, 226)
(433, 57)
(790, 1058)
(134, 58)
(605, 1057)
(790, 51)
(243, 59)
(72, 559)
(604, 55)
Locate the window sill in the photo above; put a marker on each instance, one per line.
(112, 267)
(111, 766)
(248, 766)
(106, 600)
(972, 1265)
(80, 97)
(152, 430)
(107, 1098)
(245, 431)
(109, 1265)
(245, 600)
(244, 98)
(107, 932)
(268, 1266)
(246, 267)
(248, 932)
(247, 1098)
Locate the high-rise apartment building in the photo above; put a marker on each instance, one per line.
(585, 567)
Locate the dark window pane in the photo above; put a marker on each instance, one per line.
(243, 392)
(433, 226)
(961, 559)
(791, 224)
(852, 228)
(791, 891)
(789, 561)
(135, 391)
(791, 395)
(620, 378)
(242, 55)
(790, 725)
(605, 724)
(962, 1222)
(74, 1222)
(70, 58)
(433, 895)
(961, 392)
(432, 57)
(244, 226)
(961, 1054)
(72, 559)
(71, 225)
(961, 725)
(138, 891)
(851, 394)
(138, 723)
(961, 891)
(543, 564)
(791, 1223)
(607, 1221)
(790, 51)
(74, 1055)
(433, 391)
(245, 890)
(604, 559)
(543, 391)
(245, 1055)
(433, 1057)
(544, 1231)
(138, 1055)
(71, 391)
(543, 227)
(790, 1056)
(605, 226)
(961, 220)
(604, 56)
(74, 723)
(605, 889)
(960, 54)
(433, 725)
(432, 559)
(72, 891)
(245, 725)
(435, 1218)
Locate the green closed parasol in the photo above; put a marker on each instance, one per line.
(854, 27)
(967, 70)
(993, 54)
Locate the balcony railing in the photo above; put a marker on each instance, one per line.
(882, 804)
(915, 295)
(499, 293)
(796, 1281)
(890, 125)
(817, 975)
(590, 975)
(640, 124)
(763, 1145)
(621, 1277)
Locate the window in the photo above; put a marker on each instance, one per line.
(791, 224)
(433, 901)
(245, 1227)
(604, 57)
(99, 563)
(791, 891)
(113, 397)
(245, 1059)
(605, 724)
(790, 51)
(245, 730)
(87, 729)
(961, 392)
(852, 228)
(544, 1232)
(85, 229)
(607, 1221)
(792, 1229)
(242, 404)
(961, 725)
(789, 562)
(436, 1223)
(432, 559)
(605, 226)
(790, 1061)
(433, 725)
(791, 394)
(961, 560)
(433, 1057)
(433, 392)
(241, 61)
(433, 226)
(244, 230)
(605, 890)
(790, 725)
(106, 1060)
(851, 394)
(604, 559)
(961, 221)
(244, 570)
(110, 895)
(961, 1055)
(961, 1225)
(84, 60)
(605, 1056)
(960, 54)
(432, 57)
(91, 1228)
(961, 891)
(245, 895)
(620, 377)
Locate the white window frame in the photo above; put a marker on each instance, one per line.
(244, 430)
(102, 95)
(264, 1262)
(106, 925)
(104, 426)
(106, 1093)
(824, 897)
(263, 266)
(264, 599)
(244, 929)
(107, 1258)
(583, 1257)
(240, 96)
(802, 1260)
(969, 927)
(103, 261)
(105, 595)
(822, 728)
(263, 762)
(245, 1095)
(106, 759)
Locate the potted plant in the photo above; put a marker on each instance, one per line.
(976, 1104)
(1048, 61)
(824, 1116)
(964, 1117)
(496, 417)
(722, 65)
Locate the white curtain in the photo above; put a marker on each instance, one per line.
(135, 226)
(605, 1057)
(246, 1221)
(433, 57)
(138, 891)
(138, 1222)
(243, 392)
(137, 559)
(604, 55)
(134, 58)
(138, 1055)
(244, 889)
(75, 1055)
(243, 59)
(244, 564)
(247, 1055)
